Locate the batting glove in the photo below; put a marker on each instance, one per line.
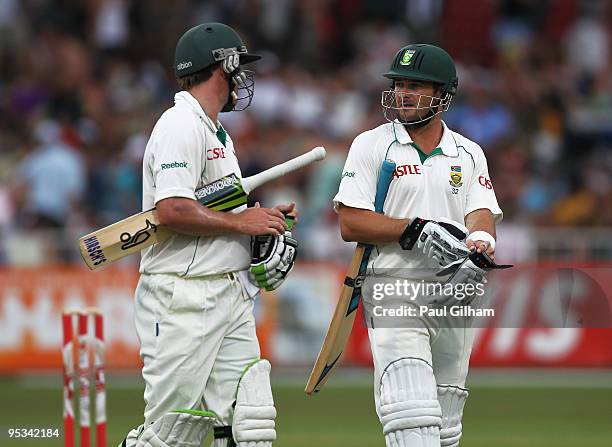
(442, 240)
(272, 258)
(471, 270)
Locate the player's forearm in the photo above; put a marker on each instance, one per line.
(358, 225)
(188, 217)
(481, 220)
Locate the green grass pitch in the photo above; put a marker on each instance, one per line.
(344, 415)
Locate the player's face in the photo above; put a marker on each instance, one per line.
(414, 98)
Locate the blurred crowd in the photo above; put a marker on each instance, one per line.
(82, 82)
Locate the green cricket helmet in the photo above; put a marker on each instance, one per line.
(206, 44)
(420, 62)
(209, 43)
(423, 62)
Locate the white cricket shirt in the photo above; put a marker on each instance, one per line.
(452, 181)
(183, 154)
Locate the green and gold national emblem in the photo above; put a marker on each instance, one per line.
(407, 57)
(455, 176)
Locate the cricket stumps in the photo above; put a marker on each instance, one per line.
(79, 347)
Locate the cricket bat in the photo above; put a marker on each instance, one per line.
(142, 230)
(343, 318)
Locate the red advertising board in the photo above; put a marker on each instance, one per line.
(530, 302)
(292, 322)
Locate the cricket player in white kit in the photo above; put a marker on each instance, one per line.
(194, 300)
(440, 186)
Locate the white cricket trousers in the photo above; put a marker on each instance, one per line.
(197, 335)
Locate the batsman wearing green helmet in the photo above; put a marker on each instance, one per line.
(437, 229)
(425, 66)
(194, 300)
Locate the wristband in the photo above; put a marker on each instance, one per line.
(482, 236)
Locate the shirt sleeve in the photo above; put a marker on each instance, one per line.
(177, 162)
(480, 192)
(358, 182)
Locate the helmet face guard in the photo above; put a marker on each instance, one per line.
(241, 91)
(394, 102)
(241, 82)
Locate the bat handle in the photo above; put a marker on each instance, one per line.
(384, 181)
(250, 183)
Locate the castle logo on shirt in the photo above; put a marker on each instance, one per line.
(455, 176)
(403, 170)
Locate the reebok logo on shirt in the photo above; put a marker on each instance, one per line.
(174, 164)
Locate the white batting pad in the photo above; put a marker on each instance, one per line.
(409, 410)
(452, 400)
(177, 429)
(253, 423)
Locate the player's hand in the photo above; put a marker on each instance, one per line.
(479, 246)
(289, 210)
(257, 220)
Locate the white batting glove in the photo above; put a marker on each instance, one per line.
(272, 258)
(470, 272)
(443, 240)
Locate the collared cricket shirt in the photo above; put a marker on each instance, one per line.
(186, 151)
(452, 181)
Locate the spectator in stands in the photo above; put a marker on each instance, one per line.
(93, 67)
(49, 183)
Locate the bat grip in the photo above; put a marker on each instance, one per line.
(384, 180)
(254, 181)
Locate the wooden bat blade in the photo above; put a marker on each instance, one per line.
(340, 326)
(141, 230)
(122, 238)
(344, 316)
